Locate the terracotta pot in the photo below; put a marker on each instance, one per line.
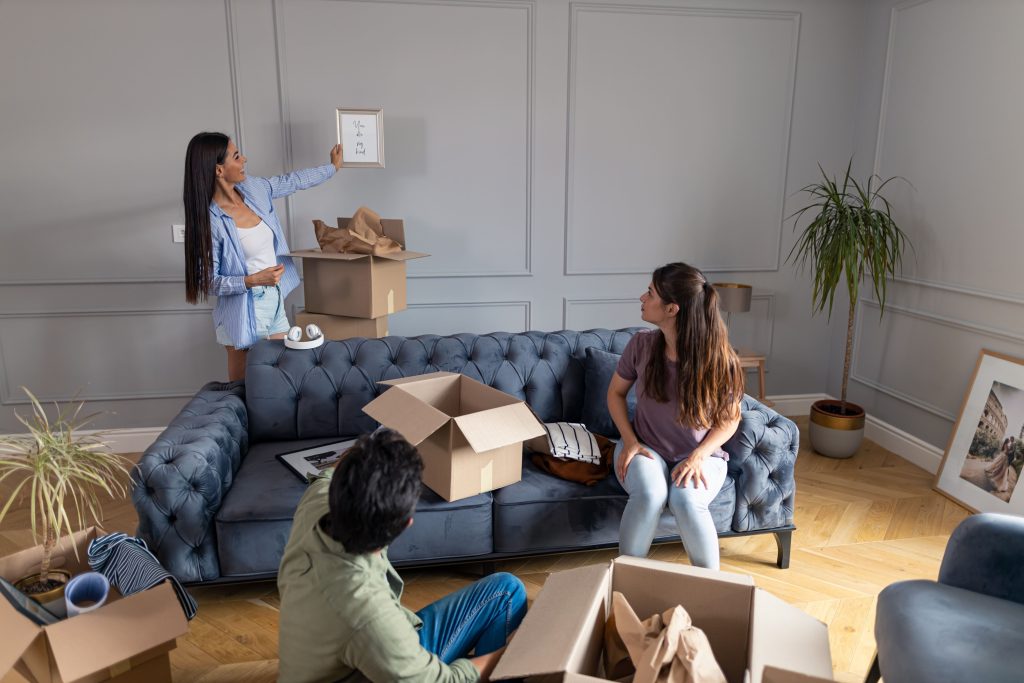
(834, 433)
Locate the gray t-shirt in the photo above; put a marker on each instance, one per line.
(656, 424)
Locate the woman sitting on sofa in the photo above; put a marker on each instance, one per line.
(689, 388)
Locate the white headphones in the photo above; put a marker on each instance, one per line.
(314, 336)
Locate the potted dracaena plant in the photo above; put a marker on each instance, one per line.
(56, 470)
(852, 238)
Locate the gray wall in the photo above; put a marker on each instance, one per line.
(548, 154)
(943, 108)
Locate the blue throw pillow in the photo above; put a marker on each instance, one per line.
(598, 369)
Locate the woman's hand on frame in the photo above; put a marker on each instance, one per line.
(336, 157)
(630, 451)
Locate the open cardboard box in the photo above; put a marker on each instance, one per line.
(126, 640)
(343, 327)
(357, 285)
(756, 637)
(470, 435)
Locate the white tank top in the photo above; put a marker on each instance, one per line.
(258, 247)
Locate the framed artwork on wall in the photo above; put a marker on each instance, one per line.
(983, 461)
(361, 136)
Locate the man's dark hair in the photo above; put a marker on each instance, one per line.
(373, 492)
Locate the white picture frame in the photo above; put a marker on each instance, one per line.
(308, 463)
(981, 464)
(361, 136)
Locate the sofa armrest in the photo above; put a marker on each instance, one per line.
(984, 555)
(762, 456)
(181, 480)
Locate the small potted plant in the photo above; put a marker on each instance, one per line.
(851, 238)
(56, 471)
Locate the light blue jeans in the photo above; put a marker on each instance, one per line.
(268, 305)
(478, 618)
(649, 485)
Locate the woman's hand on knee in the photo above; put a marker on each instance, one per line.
(691, 469)
(629, 451)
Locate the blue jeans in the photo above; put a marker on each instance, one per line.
(649, 486)
(478, 618)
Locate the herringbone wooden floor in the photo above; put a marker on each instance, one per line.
(863, 523)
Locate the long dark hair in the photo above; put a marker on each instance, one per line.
(708, 369)
(204, 152)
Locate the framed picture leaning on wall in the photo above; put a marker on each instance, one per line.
(986, 451)
(361, 136)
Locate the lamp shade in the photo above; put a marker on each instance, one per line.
(733, 297)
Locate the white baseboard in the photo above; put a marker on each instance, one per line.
(907, 446)
(795, 405)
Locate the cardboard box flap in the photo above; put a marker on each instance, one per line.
(405, 413)
(417, 378)
(785, 637)
(774, 675)
(95, 641)
(25, 562)
(499, 427)
(18, 635)
(570, 603)
(332, 255)
(402, 255)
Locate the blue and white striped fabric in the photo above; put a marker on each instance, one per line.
(572, 441)
(131, 568)
(234, 305)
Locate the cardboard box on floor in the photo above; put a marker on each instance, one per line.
(343, 327)
(128, 640)
(469, 434)
(357, 285)
(755, 636)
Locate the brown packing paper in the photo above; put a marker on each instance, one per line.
(666, 648)
(363, 235)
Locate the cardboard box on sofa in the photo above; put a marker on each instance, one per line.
(126, 640)
(750, 630)
(357, 285)
(343, 327)
(469, 434)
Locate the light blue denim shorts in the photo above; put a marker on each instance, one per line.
(270, 318)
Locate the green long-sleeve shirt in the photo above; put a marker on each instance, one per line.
(341, 614)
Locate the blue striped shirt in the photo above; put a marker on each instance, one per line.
(234, 309)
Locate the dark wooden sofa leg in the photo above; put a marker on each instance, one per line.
(784, 541)
(874, 674)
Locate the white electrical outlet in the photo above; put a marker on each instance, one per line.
(177, 233)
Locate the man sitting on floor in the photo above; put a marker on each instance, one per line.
(341, 615)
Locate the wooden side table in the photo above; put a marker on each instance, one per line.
(752, 359)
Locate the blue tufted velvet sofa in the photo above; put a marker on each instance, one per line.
(215, 505)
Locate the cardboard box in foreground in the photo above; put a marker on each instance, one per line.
(342, 327)
(750, 630)
(357, 285)
(126, 640)
(469, 434)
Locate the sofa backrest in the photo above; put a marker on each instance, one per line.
(319, 393)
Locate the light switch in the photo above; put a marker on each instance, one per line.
(177, 233)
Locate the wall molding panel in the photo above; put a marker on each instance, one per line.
(9, 397)
(945, 321)
(571, 230)
(528, 7)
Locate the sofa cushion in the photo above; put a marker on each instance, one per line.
(255, 520)
(598, 368)
(929, 631)
(542, 512)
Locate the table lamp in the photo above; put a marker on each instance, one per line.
(733, 298)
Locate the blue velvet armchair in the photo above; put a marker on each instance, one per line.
(968, 625)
